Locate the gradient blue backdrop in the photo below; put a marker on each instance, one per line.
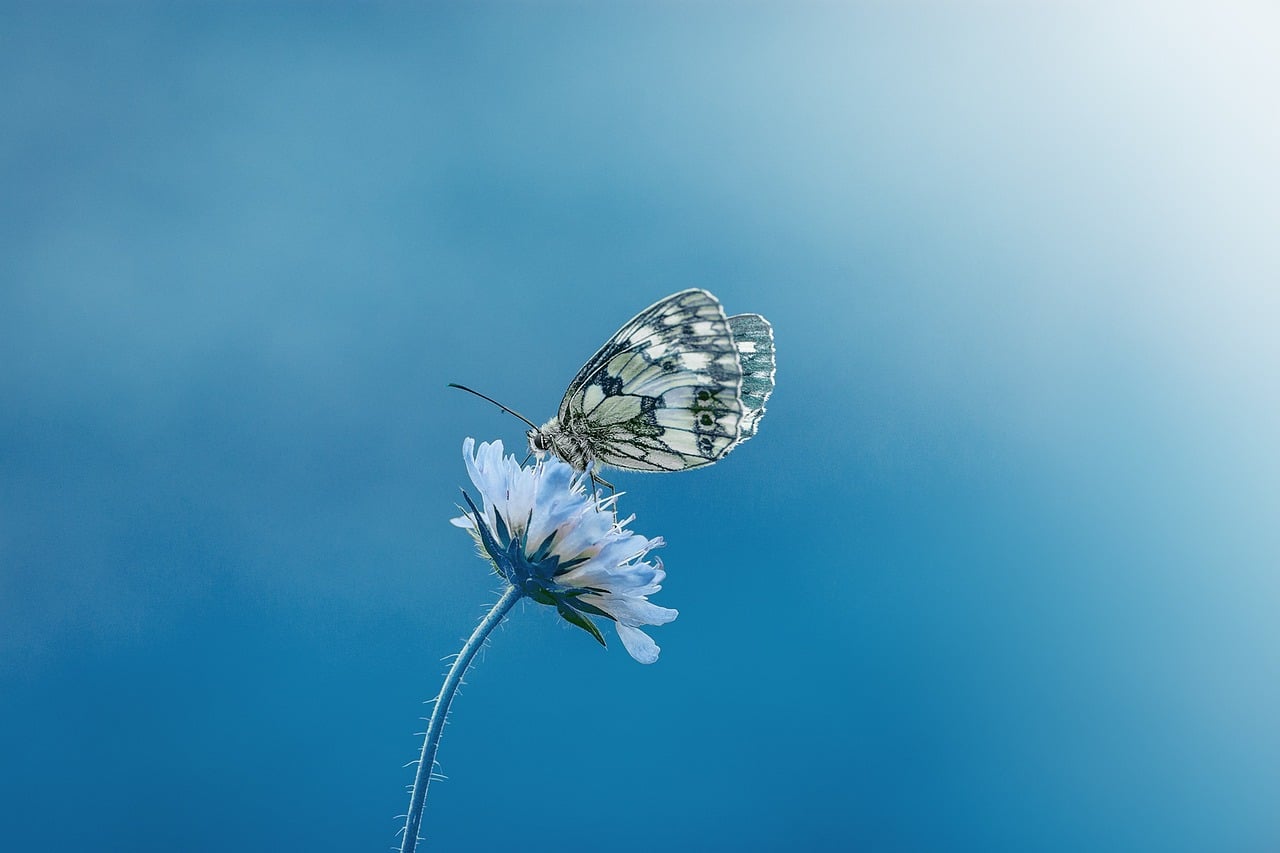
(1000, 571)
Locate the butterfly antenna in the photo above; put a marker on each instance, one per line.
(495, 402)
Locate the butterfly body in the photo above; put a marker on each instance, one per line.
(677, 387)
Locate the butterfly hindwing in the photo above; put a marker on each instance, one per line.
(753, 337)
(663, 394)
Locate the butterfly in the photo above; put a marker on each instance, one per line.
(677, 387)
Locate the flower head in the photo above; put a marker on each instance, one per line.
(558, 543)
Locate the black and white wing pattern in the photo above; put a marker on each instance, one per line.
(678, 386)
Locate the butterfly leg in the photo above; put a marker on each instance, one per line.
(598, 481)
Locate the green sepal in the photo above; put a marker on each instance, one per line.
(541, 596)
(577, 603)
(573, 617)
(500, 560)
(561, 568)
(544, 548)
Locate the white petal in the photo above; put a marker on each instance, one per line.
(555, 505)
(600, 572)
(486, 470)
(638, 644)
(633, 611)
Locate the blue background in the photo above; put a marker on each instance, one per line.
(1000, 571)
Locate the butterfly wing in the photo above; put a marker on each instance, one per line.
(753, 338)
(663, 393)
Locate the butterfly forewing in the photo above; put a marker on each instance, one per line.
(663, 394)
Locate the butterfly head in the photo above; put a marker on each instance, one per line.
(539, 441)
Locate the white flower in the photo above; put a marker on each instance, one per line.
(559, 544)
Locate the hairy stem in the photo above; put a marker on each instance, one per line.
(418, 797)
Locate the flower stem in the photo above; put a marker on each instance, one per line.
(418, 797)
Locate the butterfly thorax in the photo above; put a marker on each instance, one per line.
(573, 448)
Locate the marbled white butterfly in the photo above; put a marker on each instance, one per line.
(678, 386)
